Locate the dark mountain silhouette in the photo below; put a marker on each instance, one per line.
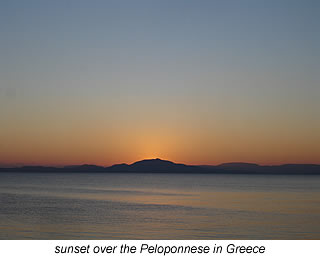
(240, 167)
(251, 168)
(123, 167)
(163, 166)
(154, 165)
(158, 165)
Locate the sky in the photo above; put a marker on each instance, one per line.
(197, 82)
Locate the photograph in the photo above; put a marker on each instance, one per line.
(159, 120)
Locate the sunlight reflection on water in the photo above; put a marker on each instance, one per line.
(158, 206)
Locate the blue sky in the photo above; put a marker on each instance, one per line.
(238, 71)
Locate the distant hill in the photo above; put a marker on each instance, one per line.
(163, 166)
(239, 167)
(251, 168)
(156, 165)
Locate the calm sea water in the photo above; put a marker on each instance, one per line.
(158, 206)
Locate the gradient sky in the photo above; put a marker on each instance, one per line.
(198, 82)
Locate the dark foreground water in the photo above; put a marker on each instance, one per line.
(158, 206)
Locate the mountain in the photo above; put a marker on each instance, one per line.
(87, 168)
(123, 167)
(156, 165)
(163, 166)
(239, 167)
(251, 168)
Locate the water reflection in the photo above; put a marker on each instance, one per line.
(113, 206)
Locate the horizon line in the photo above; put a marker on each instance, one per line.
(18, 165)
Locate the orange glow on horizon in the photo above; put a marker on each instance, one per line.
(56, 142)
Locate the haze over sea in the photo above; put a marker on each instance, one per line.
(158, 206)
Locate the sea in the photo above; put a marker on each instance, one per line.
(158, 206)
